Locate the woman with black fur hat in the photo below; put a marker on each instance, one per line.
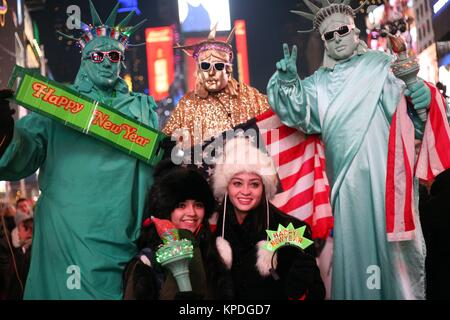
(184, 197)
(245, 180)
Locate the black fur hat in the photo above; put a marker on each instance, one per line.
(174, 184)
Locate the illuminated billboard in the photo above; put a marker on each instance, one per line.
(440, 5)
(242, 54)
(202, 15)
(159, 60)
(428, 64)
(441, 17)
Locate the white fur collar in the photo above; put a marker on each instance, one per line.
(224, 249)
(263, 256)
(264, 259)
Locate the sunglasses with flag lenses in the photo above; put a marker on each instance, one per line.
(219, 66)
(341, 31)
(113, 56)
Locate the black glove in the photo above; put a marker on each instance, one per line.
(300, 276)
(140, 282)
(6, 120)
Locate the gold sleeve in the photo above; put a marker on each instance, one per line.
(176, 119)
(263, 103)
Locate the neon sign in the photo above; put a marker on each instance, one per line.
(439, 5)
(129, 5)
(3, 11)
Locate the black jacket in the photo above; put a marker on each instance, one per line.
(296, 272)
(13, 272)
(435, 220)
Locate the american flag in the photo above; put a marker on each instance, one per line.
(433, 158)
(300, 163)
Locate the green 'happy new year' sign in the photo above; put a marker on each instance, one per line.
(287, 236)
(86, 115)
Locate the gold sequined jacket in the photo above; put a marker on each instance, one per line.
(207, 117)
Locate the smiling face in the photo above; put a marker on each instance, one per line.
(245, 191)
(212, 79)
(188, 215)
(340, 47)
(103, 74)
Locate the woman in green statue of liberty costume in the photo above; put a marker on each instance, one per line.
(90, 209)
(350, 101)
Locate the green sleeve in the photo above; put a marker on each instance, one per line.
(27, 150)
(295, 102)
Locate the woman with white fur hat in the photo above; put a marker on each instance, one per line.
(244, 180)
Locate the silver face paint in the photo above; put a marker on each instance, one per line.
(340, 47)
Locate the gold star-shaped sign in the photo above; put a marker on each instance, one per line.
(287, 236)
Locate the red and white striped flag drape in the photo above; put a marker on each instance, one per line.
(300, 163)
(433, 158)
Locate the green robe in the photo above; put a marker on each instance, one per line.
(91, 204)
(352, 106)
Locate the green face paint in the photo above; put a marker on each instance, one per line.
(102, 74)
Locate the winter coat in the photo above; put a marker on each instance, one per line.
(145, 279)
(296, 273)
(12, 283)
(435, 219)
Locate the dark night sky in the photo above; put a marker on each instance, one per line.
(269, 24)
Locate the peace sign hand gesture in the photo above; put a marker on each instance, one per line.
(287, 67)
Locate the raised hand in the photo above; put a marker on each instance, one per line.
(287, 67)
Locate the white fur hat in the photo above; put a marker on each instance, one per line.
(240, 155)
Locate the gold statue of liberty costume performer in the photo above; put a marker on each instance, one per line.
(90, 210)
(218, 102)
(350, 101)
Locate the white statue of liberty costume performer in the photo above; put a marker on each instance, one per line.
(350, 101)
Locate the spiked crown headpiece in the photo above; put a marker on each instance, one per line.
(328, 8)
(121, 32)
(209, 44)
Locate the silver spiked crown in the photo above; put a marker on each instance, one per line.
(328, 8)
